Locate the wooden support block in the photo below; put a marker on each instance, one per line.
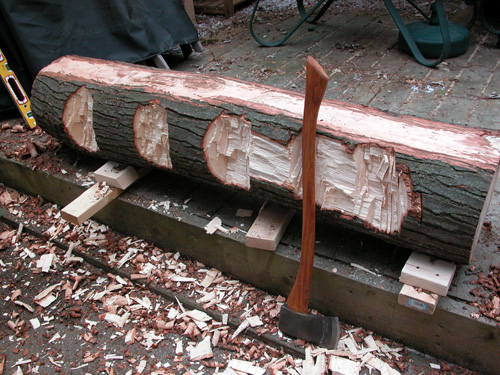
(89, 203)
(420, 300)
(269, 226)
(423, 271)
(119, 175)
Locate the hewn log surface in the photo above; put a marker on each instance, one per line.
(417, 183)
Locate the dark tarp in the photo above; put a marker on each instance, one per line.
(40, 31)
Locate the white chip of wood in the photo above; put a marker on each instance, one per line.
(244, 325)
(25, 305)
(45, 262)
(182, 279)
(126, 257)
(201, 351)
(378, 364)
(47, 300)
(35, 323)
(343, 366)
(246, 367)
(178, 348)
(254, 321)
(214, 225)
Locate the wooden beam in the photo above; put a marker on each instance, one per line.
(89, 203)
(113, 178)
(423, 271)
(418, 299)
(269, 226)
(119, 175)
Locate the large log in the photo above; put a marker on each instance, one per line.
(416, 183)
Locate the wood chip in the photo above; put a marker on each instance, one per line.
(246, 367)
(254, 321)
(244, 325)
(182, 279)
(131, 336)
(47, 300)
(343, 366)
(45, 262)
(378, 364)
(201, 351)
(198, 315)
(178, 348)
(35, 323)
(46, 292)
(214, 225)
(25, 305)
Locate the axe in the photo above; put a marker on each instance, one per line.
(294, 319)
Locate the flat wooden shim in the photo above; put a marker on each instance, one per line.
(113, 178)
(418, 299)
(269, 226)
(89, 203)
(119, 175)
(316, 83)
(423, 271)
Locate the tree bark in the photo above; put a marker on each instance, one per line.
(416, 183)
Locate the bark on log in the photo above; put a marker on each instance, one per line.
(416, 183)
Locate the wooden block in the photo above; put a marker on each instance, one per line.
(119, 175)
(420, 300)
(423, 271)
(90, 202)
(269, 226)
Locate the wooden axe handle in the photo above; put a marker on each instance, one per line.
(316, 82)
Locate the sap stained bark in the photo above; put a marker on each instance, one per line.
(416, 183)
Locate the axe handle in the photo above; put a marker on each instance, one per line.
(316, 82)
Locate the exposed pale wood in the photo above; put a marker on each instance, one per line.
(418, 183)
(269, 226)
(423, 271)
(419, 300)
(89, 203)
(339, 365)
(119, 175)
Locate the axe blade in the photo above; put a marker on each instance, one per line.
(320, 330)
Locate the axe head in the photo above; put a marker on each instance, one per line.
(321, 330)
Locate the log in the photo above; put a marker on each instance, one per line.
(416, 183)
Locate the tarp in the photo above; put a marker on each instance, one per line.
(122, 30)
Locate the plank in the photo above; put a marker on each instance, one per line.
(425, 272)
(269, 226)
(89, 203)
(119, 175)
(418, 299)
